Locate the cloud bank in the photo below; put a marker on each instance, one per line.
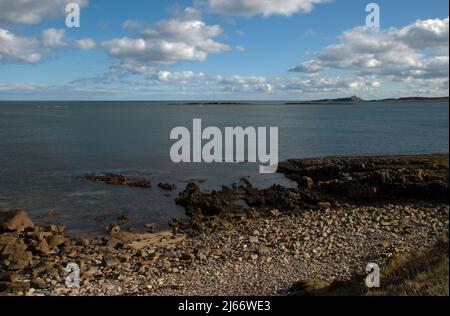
(416, 51)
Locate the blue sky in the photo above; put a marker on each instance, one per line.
(217, 49)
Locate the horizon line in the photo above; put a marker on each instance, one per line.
(215, 100)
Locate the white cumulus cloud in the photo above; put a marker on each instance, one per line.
(396, 53)
(183, 38)
(53, 38)
(85, 44)
(16, 49)
(177, 77)
(262, 7)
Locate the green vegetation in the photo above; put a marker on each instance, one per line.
(423, 273)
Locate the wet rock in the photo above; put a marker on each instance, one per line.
(167, 186)
(279, 197)
(175, 224)
(123, 218)
(306, 182)
(207, 204)
(118, 179)
(143, 184)
(53, 213)
(113, 229)
(109, 178)
(151, 228)
(15, 220)
(100, 218)
(374, 178)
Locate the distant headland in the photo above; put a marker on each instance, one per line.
(356, 99)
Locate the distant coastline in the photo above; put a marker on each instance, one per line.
(336, 101)
(355, 99)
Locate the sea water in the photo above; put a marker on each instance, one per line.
(45, 148)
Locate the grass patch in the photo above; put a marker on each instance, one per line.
(424, 273)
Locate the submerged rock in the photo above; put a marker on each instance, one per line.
(118, 179)
(124, 218)
(143, 184)
(167, 186)
(100, 218)
(109, 178)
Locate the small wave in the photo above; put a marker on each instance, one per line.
(50, 106)
(92, 194)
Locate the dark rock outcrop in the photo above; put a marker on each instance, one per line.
(207, 204)
(143, 184)
(118, 179)
(109, 178)
(373, 178)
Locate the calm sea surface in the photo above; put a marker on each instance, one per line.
(46, 146)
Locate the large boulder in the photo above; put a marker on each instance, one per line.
(16, 254)
(15, 221)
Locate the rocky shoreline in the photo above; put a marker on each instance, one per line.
(345, 213)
